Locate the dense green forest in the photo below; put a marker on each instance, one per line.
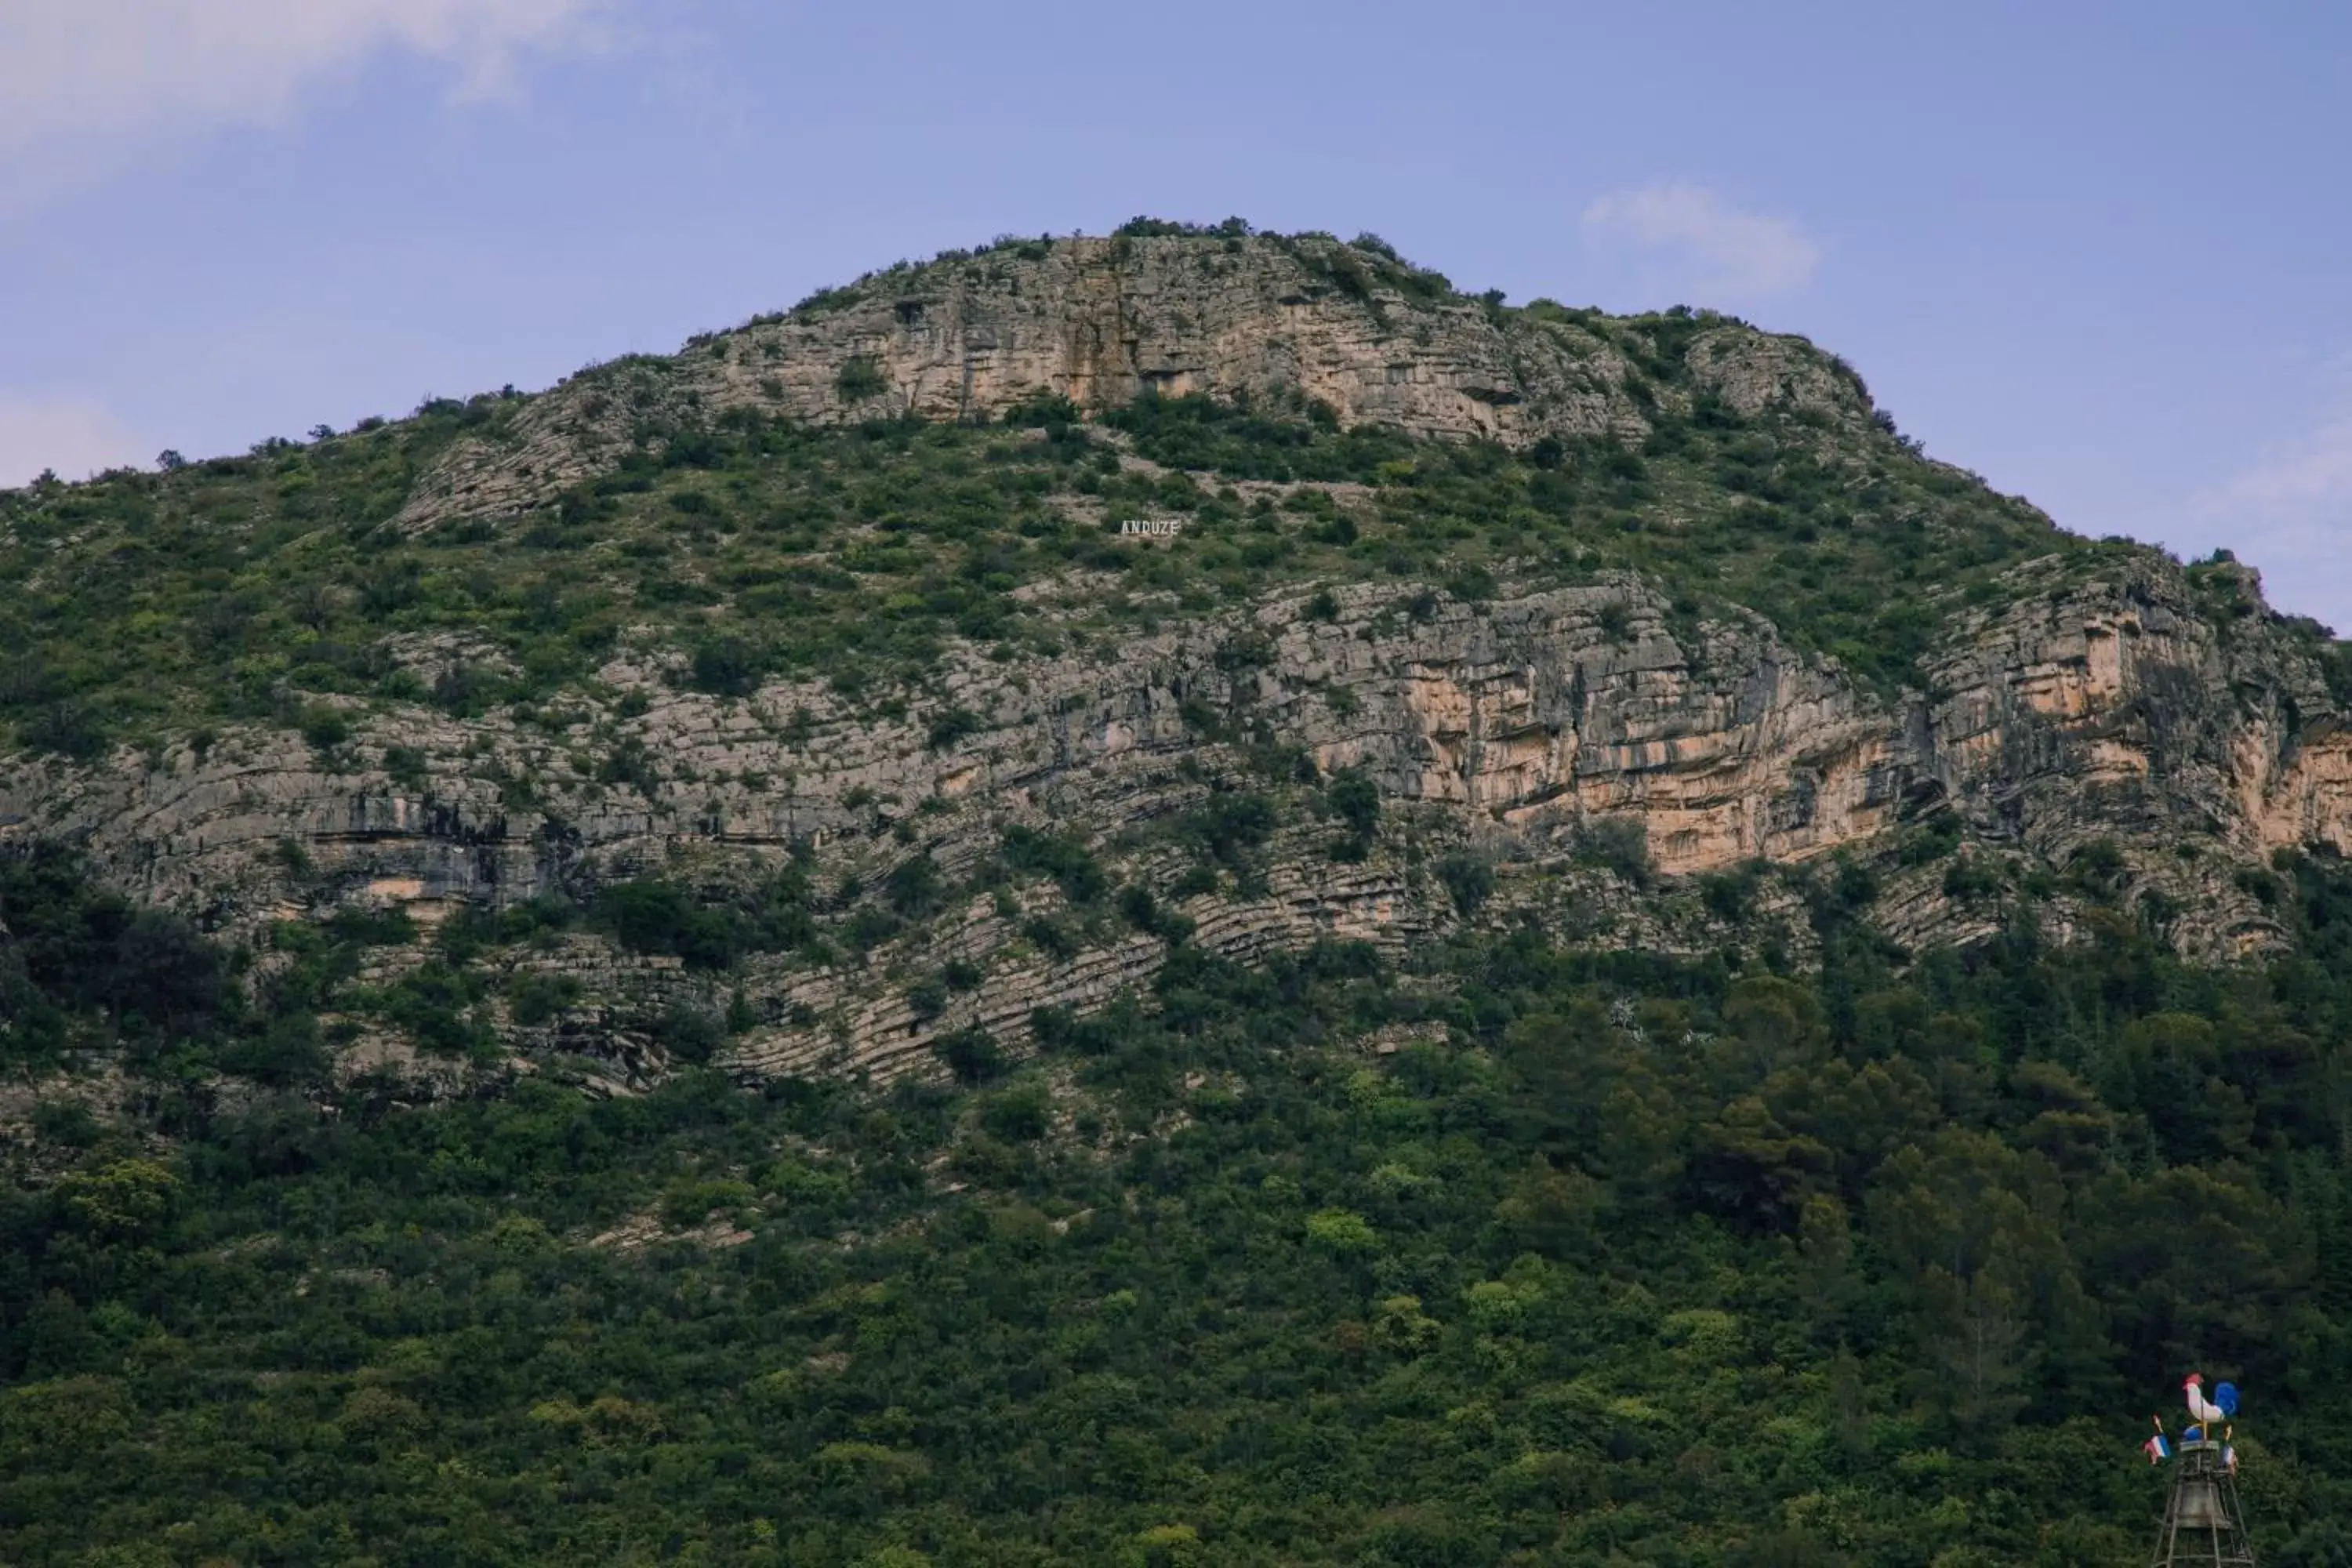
(1610, 1259)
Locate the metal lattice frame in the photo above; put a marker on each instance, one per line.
(2203, 1525)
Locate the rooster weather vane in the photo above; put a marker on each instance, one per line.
(2202, 1520)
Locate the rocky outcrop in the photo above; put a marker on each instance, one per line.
(1101, 321)
(883, 1034)
(2117, 710)
(2104, 708)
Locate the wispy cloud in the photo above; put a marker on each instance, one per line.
(2314, 470)
(89, 86)
(1699, 240)
(74, 436)
(2289, 513)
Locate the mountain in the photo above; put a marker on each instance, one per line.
(1585, 816)
(847, 584)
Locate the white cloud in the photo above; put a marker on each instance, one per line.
(87, 86)
(2289, 514)
(74, 436)
(2313, 471)
(1705, 243)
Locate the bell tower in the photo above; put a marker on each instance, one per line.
(2202, 1522)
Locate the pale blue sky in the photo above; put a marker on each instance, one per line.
(2100, 254)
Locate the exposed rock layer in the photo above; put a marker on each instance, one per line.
(1509, 732)
(2111, 711)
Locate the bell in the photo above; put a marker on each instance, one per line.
(2202, 1522)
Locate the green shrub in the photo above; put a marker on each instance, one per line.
(928, 996)
(1468, 880)
(1972, 877)
(536, 997)
(290, 1053)
(690, 1033)
(1342, 1233)
(1064, 858)
(1619, 844)
(1355, 800)
(691, 1200)
(860, 379)
(1050, 936)
(407, 766)
(325, 728)
(952, 726)
(434, 1003)
(1018, 1115)
(728, 666)
(914, 888)
(658, 917)
(1230, 826)
(971, 1054)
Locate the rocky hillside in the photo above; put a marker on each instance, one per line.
(854, 689)
(1103, 321)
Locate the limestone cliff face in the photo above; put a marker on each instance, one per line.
(2109, 709)
(1102, 320)
(2119, 711)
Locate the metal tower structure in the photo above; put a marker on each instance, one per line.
(2203, 1525)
